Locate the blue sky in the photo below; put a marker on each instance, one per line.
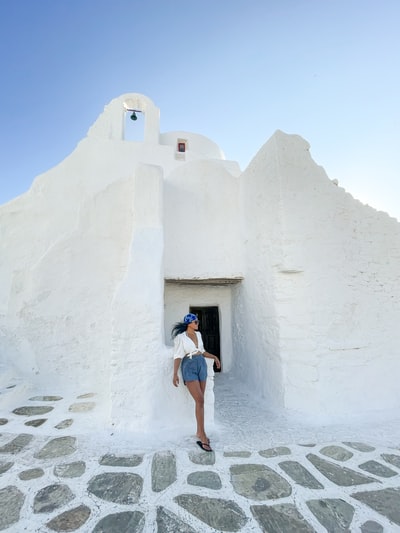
(232, 70)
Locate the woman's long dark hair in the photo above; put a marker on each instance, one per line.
(178, 328)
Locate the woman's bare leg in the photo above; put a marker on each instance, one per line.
(196, 389)
(203, 388)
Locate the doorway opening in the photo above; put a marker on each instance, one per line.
(209, 328)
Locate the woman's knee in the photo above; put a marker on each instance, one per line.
(200, 397)
(200, 400)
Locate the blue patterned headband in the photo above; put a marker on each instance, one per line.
(188, 319)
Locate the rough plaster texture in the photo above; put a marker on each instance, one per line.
(202, 222)
(326, 272)
(197, 146)
(311, 327)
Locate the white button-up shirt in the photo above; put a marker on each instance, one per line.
(183, 345)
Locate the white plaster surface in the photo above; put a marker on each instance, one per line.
(197, 146)
(202, 222)
(320, 299)
(312, 328)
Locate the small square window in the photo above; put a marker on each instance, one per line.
(181, 147)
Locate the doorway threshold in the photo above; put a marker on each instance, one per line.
(204, 281)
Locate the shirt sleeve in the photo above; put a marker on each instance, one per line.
(179, 350)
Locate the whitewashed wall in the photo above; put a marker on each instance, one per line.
(348, 294)
(60, 268)
(197, 146)
(81, 276)
(333, 272)
(202, 222)
(257, 355)
(312, 328)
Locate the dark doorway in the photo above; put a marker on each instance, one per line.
(209, 328)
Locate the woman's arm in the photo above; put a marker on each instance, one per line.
(179, 354)
(175, 379)
(207, 354)
(211, 356)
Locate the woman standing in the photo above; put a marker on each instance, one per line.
(189, 353)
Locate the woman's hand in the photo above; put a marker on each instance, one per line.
(212, 356)
(175, 379)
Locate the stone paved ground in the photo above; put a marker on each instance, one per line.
(50, 480)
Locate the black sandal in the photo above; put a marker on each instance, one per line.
(203, 446)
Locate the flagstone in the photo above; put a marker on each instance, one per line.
(81, 407)
(118, 487)
(57, 447)
(281, 518)
(237, 454)
(202, 458)
(371, 527)
(52, 497)
(64, 424)
(360, 446)
(127, 461)
(163, 471)
(385, 502)
(33, 410)
(70, 520)
(11, 502)
(340, 475)
(391, 459)
(334, 514)
(124, 522)
(373, 467)
(168, 522)
(45, 398)
(70, 470)
(223, 515)
(336, 452)
(31, 473)
(5, 466)
(17, 444)
(207, 479)
(274, 452)
(258, 482)
(36, 423)
(300, 475)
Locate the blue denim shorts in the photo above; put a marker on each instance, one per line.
(194, 369)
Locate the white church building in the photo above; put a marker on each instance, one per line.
(296, 283)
